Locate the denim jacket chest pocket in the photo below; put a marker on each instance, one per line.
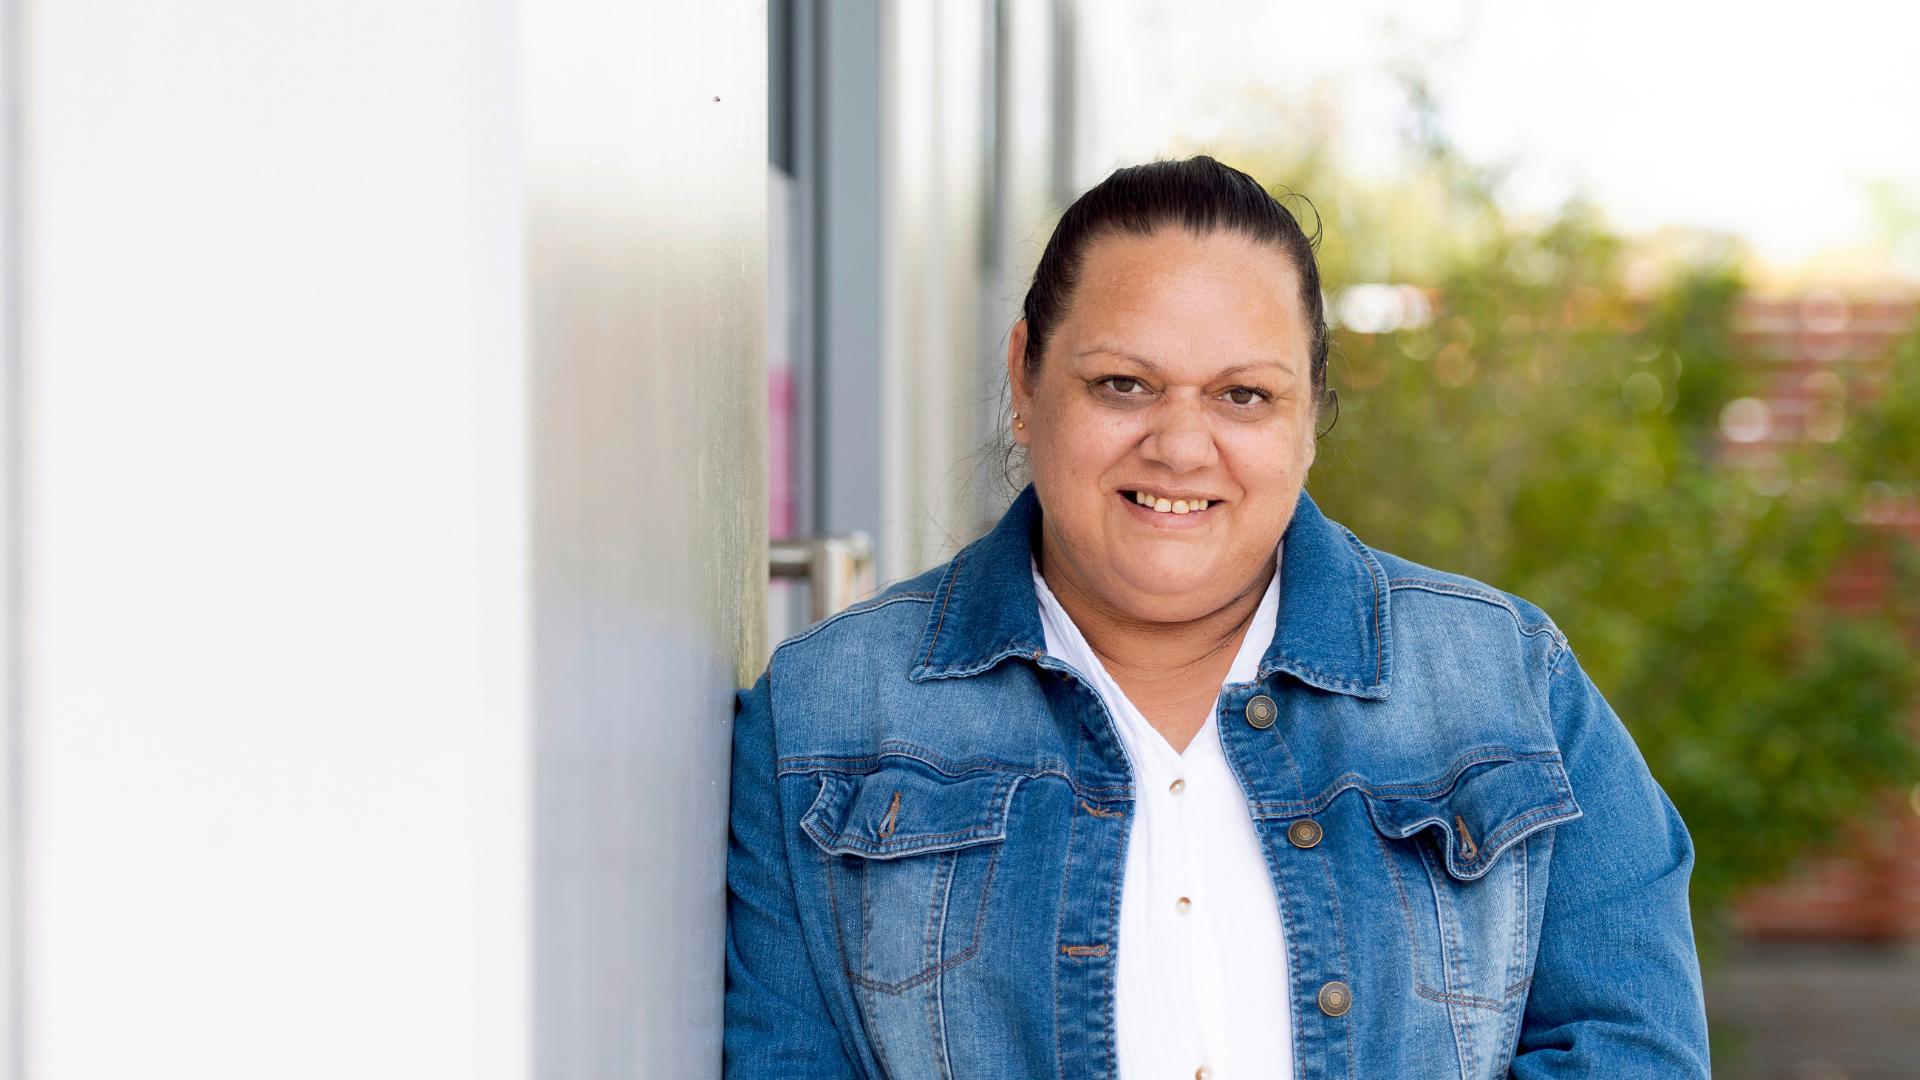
(910, 855)
(1467, 853)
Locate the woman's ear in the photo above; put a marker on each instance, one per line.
(1017, 386)
(1017, 358)
(1310, 434)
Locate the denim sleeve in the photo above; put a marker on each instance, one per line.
(1616, 986)
(776, 1017)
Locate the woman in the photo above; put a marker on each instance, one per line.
(1169, 775)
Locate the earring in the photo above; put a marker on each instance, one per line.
(1018, 424)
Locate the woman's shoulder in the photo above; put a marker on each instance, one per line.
(895, 615)
(856, 686)
(1424, 598)
(859, 657)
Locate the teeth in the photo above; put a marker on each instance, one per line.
(1171, 506)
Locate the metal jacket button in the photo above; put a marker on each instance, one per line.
(1304, 833)
(1335, 998)
(1261, 711)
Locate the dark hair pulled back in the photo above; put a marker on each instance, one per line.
(1199, 194)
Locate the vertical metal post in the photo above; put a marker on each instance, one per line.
(13, 998)
(849, 356)
(1066, 98)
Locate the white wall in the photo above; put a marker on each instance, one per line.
(274, 540)
(281, 398)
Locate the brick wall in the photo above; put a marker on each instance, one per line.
(1808, 348)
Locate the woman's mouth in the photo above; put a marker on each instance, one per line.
(1166, 504)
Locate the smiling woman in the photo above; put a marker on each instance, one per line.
(1170, 775)
(1183, 371)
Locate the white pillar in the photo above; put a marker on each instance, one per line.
(381, 591)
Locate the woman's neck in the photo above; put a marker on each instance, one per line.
(1141, 653)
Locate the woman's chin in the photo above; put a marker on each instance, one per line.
(1169, 593)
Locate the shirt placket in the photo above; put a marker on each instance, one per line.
(1188, 909)
(1207, 963)
(1188, 920)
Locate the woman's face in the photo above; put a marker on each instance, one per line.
(1179, 374)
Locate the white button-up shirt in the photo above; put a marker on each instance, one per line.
(1202, 960)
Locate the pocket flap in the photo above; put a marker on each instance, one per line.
(906, 808)
(1488, 808)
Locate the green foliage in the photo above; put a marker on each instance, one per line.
(1555, 433)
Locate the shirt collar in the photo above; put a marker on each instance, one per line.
(1332, 631)
(1059, 626)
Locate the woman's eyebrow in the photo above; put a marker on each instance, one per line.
(1153, 368)
(1108, 350)
(1256, 365)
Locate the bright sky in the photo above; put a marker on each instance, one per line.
(1766, 119)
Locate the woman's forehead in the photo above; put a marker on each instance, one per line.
(1162, 305)
(1166, 252)
(1172, 275)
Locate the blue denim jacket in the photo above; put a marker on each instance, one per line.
(929, 818)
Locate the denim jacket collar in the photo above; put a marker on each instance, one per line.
(1332, 633)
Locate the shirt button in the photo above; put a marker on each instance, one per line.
(1181, 905)
(1202, 1073)
(1304, 833)
(1177, 786)
(1261, 711)
(1335, 998)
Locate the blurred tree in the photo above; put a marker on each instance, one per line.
(1553, 432)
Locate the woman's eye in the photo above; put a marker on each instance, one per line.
(1245, 395)
(1121, 384)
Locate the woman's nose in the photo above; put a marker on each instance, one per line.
(1179, 439)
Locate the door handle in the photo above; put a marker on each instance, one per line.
(838, 569)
